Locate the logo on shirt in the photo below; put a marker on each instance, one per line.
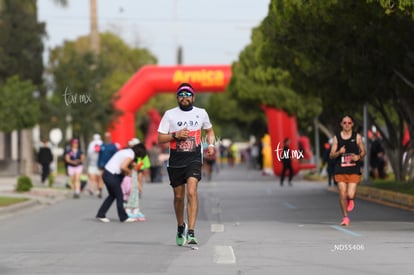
(190, 123)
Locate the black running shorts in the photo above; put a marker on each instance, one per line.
(179, 176)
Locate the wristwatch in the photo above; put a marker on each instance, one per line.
(174, 136)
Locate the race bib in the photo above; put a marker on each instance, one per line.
(188, 145)
(346, 160)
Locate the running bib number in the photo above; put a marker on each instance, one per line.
(346, 160)
(188, 145)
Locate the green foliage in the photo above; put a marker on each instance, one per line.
(235, 119)
(21, 46)
(18, 107)
(396, 186)
(256, 81)
(346, 54)
(78, 73)
(51, 180)
(24, 184)
(7, 201)
(397, 6)
(343, 52)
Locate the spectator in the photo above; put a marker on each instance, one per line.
(44, 158)
(118, 166)
(92, 163)
(377, 158)
(106, 151)
(287, 162)
(154, 155)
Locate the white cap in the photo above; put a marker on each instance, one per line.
(96, 137)
(133, 142)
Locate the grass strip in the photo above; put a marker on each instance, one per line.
(7, 201)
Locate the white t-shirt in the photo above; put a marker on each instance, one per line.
(182, 153)
(114, 164)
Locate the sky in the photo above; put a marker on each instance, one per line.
(211, 32)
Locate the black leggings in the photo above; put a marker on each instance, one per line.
(286, 167)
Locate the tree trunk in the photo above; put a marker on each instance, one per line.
(94, 35)
(395, 159)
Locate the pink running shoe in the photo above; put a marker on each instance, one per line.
(345, 221)
(350, 205)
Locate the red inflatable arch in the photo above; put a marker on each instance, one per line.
(150, 80)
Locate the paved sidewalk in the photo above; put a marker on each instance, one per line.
(9, 183)
(40, 195)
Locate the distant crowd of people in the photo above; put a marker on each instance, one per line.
(85, 169)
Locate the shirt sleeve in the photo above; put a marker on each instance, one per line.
(164, 127)
(206, 123)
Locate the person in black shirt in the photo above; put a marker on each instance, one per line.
(287, 163)
(347, 149)
(44, 158)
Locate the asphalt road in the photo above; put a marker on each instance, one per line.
(247, 224)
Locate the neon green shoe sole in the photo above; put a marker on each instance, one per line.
(192, 240)
(180, 238)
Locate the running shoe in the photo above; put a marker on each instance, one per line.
(350, 205)
(180, 239)
(191, 239)
(345, 221)
(130, 220)
(138, 216)
(103, 219)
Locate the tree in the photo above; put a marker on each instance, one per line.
(21, 45)
(21, 70)
(332, 57)
(397, 6)
(84, 83)
(18, 107)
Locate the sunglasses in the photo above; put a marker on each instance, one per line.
(184, 94)
(347, 122)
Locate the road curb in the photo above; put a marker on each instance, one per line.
(385, 197)
(38, 197)
(19, 206)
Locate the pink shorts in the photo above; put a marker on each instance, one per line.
(75, 170)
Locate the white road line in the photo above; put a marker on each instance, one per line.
(349, 232)
(289, 205)
(217, 228)
(224, 255)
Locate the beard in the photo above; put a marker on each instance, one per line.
(187, 107)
